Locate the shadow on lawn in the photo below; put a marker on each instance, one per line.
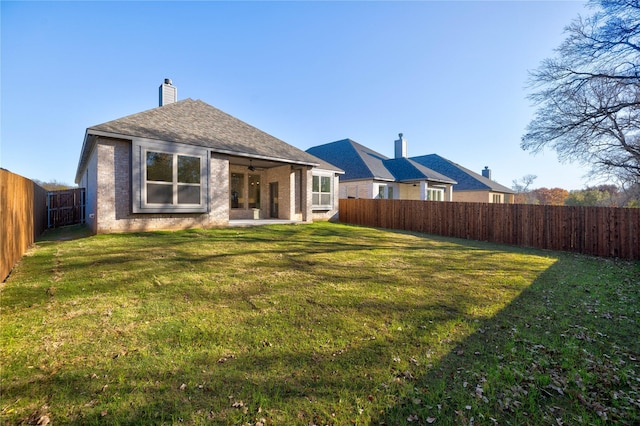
(65, 233)
(559, 353)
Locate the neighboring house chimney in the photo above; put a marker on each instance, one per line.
(401, 147)
(168, 93)
(486, 172)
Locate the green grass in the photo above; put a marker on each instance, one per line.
(316, 324)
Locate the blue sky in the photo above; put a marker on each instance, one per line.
(451, 76)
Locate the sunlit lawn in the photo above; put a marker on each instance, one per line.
(316, 324)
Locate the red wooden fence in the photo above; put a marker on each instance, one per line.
(598, 231)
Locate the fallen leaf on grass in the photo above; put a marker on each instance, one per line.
(43, 421)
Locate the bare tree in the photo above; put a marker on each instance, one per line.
(588, 95)
(523, 193)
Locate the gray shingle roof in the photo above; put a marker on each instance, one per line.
(407, 170)
(360, 162)
(467, 179)
(195, 122)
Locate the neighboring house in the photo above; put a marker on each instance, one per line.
(187, 164)
(369, 174)
(471, 186)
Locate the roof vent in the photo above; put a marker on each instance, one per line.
(168, 93)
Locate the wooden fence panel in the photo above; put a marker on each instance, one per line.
(66, 207)
(598, 231)
(22, 218)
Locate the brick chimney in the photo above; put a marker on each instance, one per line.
(487, 172)
(168, 93)
(401, 147)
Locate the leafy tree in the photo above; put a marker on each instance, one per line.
(605, 196)
(588, 95)
(589, 197)
(550, 196)
(53, 185)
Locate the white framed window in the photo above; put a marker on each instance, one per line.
(435, 194)
(385, 191)
(497, 198)
(322, 191)
(169, 178)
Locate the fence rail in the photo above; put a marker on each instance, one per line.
(598, 231)
(23, 217)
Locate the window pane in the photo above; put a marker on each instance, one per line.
(159, 193)
(188, 194)
(381, 191)
(390, 192)
(325, 199)
(254, 191)
(316, 184)
(315, 199)
(159, 167)
(237, 190)
(325, 184)
(188, 169)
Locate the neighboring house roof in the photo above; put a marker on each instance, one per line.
(467, 180)
(195, 122)
(360, 162)
(407, 170)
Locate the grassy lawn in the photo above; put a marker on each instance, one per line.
(316, 324)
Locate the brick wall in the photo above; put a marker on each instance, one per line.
(479, 197)
(281, 175)
(327, 214)
(113, 190)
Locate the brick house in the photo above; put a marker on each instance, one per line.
(471, 187)
(369, 174)
(187, 164)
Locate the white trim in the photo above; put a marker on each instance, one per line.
(322, 206)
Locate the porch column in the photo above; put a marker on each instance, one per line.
(423, 190)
